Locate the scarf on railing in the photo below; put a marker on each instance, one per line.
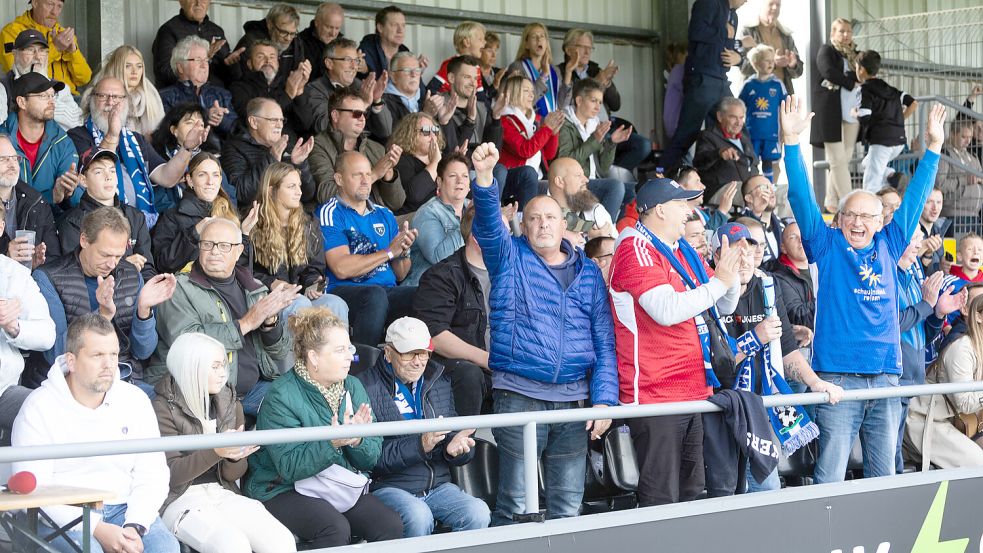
(695, 263)
(547, 103)
(131, 159)
(791, 423)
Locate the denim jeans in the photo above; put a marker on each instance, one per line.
(610, 193)
(562, 449)
(252, 400)
(446, 503)
(702, 92)
(876, 421)
(158, 539)
(521, 185)
(372, 307)
(331, 301)
(772, 481)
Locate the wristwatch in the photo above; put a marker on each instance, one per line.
(141, 529)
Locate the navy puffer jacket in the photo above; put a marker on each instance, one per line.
(539, 330)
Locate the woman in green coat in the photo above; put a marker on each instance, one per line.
(319, 392)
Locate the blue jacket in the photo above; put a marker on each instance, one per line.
(55, 157)
(375, 58)
(184, 93)
(440, 236)
(403, 464)
(539, 330)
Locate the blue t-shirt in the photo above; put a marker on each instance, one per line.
(763, 100)
(363, 234)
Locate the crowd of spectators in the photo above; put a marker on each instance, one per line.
(205, 247)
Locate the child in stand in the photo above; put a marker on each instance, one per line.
(882, 113)
(970, 258)
(763, 94)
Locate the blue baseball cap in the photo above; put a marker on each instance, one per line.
(660, 191)
(734, 233)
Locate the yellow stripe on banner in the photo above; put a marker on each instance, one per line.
(949, 246)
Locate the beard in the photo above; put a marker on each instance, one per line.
(268, 73)
(101, 118)
(9, 181)
(585, 200)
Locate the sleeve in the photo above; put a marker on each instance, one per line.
(829, 64)
(229, 121)
(493, 131)
(321, 161)
(180, 315)
(434, 242)
(612, 98)
(521, 147)
(435, 301)
(960, 365)
(702, 25)
(332, 232)
(707, 154)
(143, 246)
(567, 145)
(417, 182)
(793, 72)
(789, 342)
(604, 376)
(365, 455)
(173, 246)
(907, 99)
(800, 198)
(392, 193)
(244, 173)
(914, 315)
(46, 231)
(907, 215)
(37, 328)
(150, 475)
(298, 460)
(7, 36)
(184, 466)
(56, 310)
(312, 109)
(380, 125)
(150, 155)
(235, 470)
(77, 67)
(799, 312)
(164, 43)
(143, 333)
(488, 229)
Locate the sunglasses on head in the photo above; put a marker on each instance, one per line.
(432, 130)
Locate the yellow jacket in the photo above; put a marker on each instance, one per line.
(69, 68)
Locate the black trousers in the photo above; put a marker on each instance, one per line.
(471, 386)
(670, 458)
(318, 524)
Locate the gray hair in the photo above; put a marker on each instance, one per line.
(222, 221)
(337, 43)
(183, 48)
(727, 102)
(394, 62)
(858, 192)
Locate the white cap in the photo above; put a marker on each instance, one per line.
(407, 334)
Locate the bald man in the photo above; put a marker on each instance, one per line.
(324, 28)
(585, 217)
(552, 345)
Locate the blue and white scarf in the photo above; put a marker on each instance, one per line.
(408, 402)
(791, 423)
(695, 263)
(131, 158)
(547, 103)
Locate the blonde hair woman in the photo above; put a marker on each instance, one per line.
(423, 142)
(204, 507)
(288, 244)
(534, 59)
(146, 109)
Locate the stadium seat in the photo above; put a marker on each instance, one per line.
(797, 469)
(365, 357)
(479, 478)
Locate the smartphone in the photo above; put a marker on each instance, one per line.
(949, 258)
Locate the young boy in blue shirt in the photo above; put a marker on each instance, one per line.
(763, 94)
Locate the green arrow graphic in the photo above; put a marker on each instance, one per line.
(928, 537)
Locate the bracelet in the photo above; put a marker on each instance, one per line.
(389, 253)
(141, 529)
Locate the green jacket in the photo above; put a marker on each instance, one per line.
(293, 403)
(197, 307)
(571, 145)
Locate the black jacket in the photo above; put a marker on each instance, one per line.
(244, 161)
(716, 172)
(253, 84)
(70, 228)
(314, 49)
(742, 432)
(305, 275)
(289, 58)
(826, 125)
(449, 297)
(375, 58)
(417, 182)
(800, 299)
(178, 27)
(34, 213)
(707, 34)
(175, 240)
(403, 464)
(882, 113)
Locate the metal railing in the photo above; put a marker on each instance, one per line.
(528, 421)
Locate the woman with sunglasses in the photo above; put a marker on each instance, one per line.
(204, 507)
(318, 392)
(175, 236)
(423, 143)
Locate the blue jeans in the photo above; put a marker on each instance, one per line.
(521, 185)
(332, 302)
(158, 539)
(610, 193)
(632, 152)
(562, 449)
(373, 307)
(701, 93)
(252, 400)
(447, 503)
(876, 421)
(772, 481)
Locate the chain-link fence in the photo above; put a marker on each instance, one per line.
(937, 56)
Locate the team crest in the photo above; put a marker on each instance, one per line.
(380, 229)
(772, 92)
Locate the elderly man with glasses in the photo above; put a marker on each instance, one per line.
(245, 157)
(189, 61)
(225, 301)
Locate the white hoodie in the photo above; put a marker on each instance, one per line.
(37, 330)
(51, 415)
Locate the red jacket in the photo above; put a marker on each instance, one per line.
(517, 148)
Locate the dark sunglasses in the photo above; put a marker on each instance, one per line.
(356, 113)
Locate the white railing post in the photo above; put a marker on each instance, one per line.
(530, 467)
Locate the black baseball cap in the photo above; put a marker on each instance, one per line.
(26, 38)
(660, 191)
(33, 83)
(93, 154)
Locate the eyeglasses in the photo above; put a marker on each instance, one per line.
(289, 34)
(224, 247)
(47, 96)
(432, 130)
(103, 97)
(346, 59)
(411, 72)
(356, 113)
(864, 217)
(10, 159)
(407, 357)
(197, 60)
(274, 120)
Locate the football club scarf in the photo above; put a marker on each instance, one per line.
(547, 103)
(131, 159)
(695, 262)
(409, 403)
(791, 423)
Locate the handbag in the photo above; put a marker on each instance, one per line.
(722, 357)
(968, 424)
(337, 485)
